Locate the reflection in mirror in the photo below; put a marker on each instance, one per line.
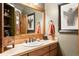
(29, 19)
(17, 22)
(31, 22)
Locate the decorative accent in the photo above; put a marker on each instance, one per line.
(68, 18)
(31, 23)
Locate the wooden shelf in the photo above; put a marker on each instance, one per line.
(7, 17)
(7, 26)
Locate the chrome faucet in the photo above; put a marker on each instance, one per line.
(30, 40)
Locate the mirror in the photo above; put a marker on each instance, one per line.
(31, 20)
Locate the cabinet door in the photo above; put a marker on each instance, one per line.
(53, 46)
(53, 49)
(47, 54)
(53, 52)
(39, 52)
(22, 54)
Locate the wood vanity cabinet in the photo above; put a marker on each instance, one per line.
(53, 49)
(50, 50)
(40, 52)
(47, 54)
(53, 52)
(22, 54)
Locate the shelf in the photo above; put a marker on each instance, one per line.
(7, 26)
(8, 17)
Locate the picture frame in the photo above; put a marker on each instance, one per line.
(31, 23)
(68, 18)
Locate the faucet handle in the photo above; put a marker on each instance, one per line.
(28, 40)
(32, 39)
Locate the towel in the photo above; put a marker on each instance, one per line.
(38, 29)
(51, 29)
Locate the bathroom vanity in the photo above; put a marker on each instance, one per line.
(46, 48)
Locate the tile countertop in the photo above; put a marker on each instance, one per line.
(19, 48)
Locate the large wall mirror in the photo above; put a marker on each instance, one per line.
(28, 19)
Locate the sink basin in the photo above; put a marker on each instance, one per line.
(36, 43)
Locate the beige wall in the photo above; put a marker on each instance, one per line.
(67, 42)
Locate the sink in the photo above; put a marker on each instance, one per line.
(30, 44)
(35, 43)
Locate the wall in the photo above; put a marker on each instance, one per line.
(67, 42)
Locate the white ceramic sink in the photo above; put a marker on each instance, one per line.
(36, 43)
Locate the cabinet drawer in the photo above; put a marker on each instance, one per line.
(53, 46)
(53, 52)
(39, 52)
(22, 54)
(47, 54)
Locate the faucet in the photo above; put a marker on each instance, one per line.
(30, 40)
(33, 39)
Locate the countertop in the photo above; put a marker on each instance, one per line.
(20, 48)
